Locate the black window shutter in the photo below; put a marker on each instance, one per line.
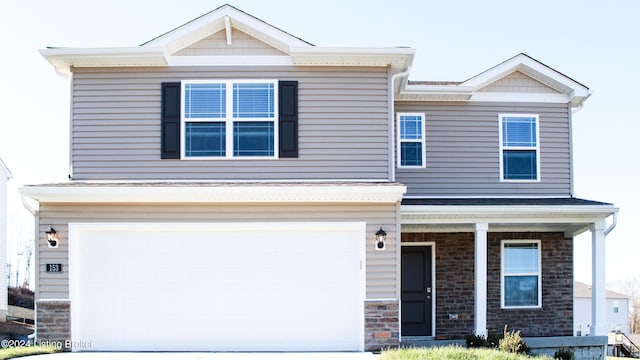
(170, 121)
(288, 121)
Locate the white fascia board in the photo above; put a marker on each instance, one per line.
(397, 58)
(216, 194)
(239, 60)
(519, 97)
(504, 214)
(435, 93)
(63, 58)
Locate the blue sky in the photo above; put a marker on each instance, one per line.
(594, 42)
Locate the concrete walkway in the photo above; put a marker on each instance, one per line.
(205, 356)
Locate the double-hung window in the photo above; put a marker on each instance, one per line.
(521, 278)
(519, 147)
(411, 140)
(229, 118)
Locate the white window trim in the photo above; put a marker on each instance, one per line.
(423, 141)
(539, 273)
(502, 148)
(229, 120)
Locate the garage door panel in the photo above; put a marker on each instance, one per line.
(252, 286)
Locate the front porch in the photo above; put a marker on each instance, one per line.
(473, 291)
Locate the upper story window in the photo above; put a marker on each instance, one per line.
(521, 280)
(229, 119)
(411, 140)
(519, 147)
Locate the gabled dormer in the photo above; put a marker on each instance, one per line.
(518, 79)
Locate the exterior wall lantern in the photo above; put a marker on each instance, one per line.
(52, 237)
(381, 237)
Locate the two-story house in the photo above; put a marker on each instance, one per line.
(264, 193)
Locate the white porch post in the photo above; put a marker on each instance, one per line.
(480, 303)
(598, 293)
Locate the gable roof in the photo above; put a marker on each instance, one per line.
(582, 290)
(4, 169)
(568, 90)
(159, 51)
(219, 19)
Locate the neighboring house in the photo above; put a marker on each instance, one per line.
(297, 197)
(5, 175)
(617, 310)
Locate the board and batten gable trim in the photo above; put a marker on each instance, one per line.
(171, 123)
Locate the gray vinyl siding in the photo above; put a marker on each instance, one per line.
(343, 125)
(462, 151)
(381, 265)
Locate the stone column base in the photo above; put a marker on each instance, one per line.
(382, 325)
(53, 322)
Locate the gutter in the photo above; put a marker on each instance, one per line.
(391, 137)
(26, 205)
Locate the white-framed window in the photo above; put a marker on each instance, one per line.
(519, 147)
(411, 140)
(521, 274)
(229, 119)
(616, 306)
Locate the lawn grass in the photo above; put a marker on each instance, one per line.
(453, 353)
(15, 352)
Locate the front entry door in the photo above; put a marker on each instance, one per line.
(417, 291)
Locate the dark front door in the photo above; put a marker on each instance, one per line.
(417, 291)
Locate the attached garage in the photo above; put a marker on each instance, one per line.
(253, 286)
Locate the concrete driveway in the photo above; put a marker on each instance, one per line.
(205, 356)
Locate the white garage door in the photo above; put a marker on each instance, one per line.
(217, 287)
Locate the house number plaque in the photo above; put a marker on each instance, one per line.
(55, 268)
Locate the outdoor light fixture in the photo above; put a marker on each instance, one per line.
(52, 237)
(381, 237)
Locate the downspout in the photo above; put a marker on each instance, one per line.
(70, 175)
(36, 238)
(571, 112)
(391, 137)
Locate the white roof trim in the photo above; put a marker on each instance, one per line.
(532, 68)
(570, 90)
(397, 58)
(5, 169)
(573, 219)
(282, 193)
(435, 93)
(237, 60)
(63, 59)
(214, 21)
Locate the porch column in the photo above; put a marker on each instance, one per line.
(598, 292)
(480, 303)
